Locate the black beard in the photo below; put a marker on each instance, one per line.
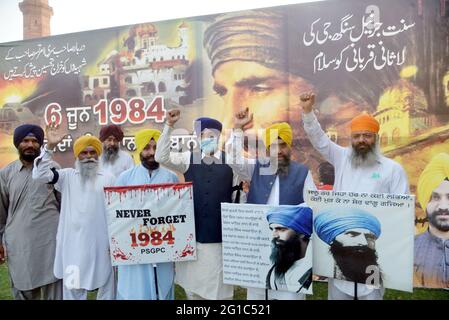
(149, 163)
(283, 165)
(437, 224)
(28, 157)
(110, 154)
(353, 261)
(360, 153)
(285, 253)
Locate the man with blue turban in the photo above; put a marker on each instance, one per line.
(29, 215)
(213, 182)
(351, 234)
(290, 255)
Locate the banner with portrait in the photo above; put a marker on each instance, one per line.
(151, 223)
(387, 58)
(267, 247)
(364, 237)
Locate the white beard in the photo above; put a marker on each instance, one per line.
(88, 170)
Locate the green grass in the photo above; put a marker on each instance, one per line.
(319, 288)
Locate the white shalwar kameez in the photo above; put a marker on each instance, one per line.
(82, 247)
(386, 176)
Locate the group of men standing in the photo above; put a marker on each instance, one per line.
(53, 221)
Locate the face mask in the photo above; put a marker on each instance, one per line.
(209, 145)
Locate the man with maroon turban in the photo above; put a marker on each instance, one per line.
(113, 159)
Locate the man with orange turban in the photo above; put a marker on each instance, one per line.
(432, 246)
(360, 167)
(280, 181)
(82, 244)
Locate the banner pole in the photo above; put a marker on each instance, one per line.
(155, 280)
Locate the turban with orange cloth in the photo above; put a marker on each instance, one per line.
(284, 132)
(436, 171)
(365, 122)
(86, 141)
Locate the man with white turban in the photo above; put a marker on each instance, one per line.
(360, 167)
(431, 264)
(137, 282)
(351, 234)
(82, 245)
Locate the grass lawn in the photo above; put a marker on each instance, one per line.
(320, 292)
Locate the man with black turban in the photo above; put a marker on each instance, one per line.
(29, 215)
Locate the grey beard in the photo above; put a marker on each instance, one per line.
(87, 169)
(365, 160)
(110, 155)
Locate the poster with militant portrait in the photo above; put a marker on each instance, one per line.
(387, 58)
(365, 238)
(267, 247)
(151, 223)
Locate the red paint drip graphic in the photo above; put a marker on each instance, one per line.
(188, 251)
(118, 254)
(125, 191)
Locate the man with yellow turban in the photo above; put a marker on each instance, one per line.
(137, 282)
(82, 258)
(360, 167)
(432, 246)
(277, 181)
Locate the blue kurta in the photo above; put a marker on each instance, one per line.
(136, 282)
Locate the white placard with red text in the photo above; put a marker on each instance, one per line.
(151, 223)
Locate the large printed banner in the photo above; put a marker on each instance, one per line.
(363, 237)
(265, 247)
(151, 223)
(388, 58)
